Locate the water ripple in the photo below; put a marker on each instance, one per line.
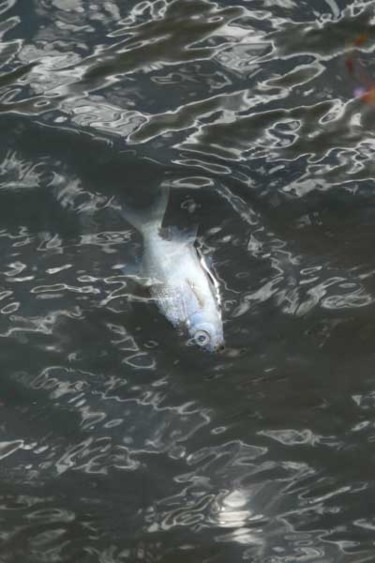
(118, 442)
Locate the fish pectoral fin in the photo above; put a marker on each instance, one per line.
(196, 293)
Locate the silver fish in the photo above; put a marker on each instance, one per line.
(179, 280)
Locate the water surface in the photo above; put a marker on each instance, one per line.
(119, 443)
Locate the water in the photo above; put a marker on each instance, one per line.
(119, 443)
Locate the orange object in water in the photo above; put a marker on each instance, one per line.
(361, 39)
(369, 96)
(366, 92)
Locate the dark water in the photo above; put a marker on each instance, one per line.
(118, 442)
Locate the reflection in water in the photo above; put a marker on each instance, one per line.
(119, 443)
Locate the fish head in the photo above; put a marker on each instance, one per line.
(207, 335)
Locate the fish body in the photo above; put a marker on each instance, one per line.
(179, 280)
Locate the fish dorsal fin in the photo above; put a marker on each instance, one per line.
(183, 236)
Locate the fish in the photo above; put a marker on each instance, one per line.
(177, 275)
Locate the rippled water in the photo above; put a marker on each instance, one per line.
(118, 442)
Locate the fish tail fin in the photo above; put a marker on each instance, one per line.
(150, 218)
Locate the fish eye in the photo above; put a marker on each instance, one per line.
(202, 337)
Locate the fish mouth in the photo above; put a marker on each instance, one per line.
(217, 349)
